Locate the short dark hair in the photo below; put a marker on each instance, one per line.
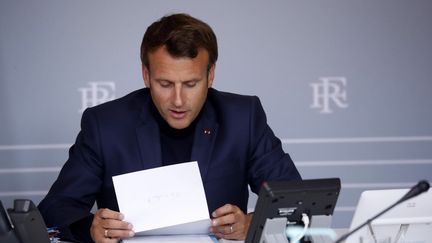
(183, 35)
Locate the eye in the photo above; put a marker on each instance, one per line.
(191, 84)
(165, 84)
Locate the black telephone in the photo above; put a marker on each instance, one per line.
(22, 224)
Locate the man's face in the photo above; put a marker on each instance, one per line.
(178, 86)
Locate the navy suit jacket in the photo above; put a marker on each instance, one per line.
(232, 143)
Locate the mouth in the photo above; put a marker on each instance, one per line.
(177, 114)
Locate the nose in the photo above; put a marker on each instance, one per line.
(178, 93)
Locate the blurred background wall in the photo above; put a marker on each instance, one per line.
(346, 84)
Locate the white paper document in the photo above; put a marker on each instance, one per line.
(172, 239)
(164, 200)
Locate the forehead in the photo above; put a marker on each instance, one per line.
(161, 60)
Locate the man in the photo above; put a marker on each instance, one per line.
(177, 118)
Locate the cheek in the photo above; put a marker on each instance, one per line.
(161, 99)
(198, 97)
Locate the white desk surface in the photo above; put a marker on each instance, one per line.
(339, 232)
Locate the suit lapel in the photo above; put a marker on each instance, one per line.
(149, 139)
(204, 139)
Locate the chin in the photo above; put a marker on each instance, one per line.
(177, 125)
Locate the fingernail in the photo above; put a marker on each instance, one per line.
(121, 216)
(130, 226)
(214, 214)
(214, 222)
(131, 233)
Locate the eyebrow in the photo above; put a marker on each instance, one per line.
(185, 81)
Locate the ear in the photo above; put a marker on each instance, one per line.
(211, 75)
(146, 76)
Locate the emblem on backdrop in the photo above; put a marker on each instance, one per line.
(329, 94)
(96, 93)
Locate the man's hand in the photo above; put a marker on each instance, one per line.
(229, 222)
(108, 227)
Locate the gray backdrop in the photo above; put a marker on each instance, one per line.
(346, 84)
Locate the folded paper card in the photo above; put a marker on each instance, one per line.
(173, 239)
(164, 200)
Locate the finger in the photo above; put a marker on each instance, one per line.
(107, 240)
(107, 226)
(231, 236)
(118, 234)
(239, 228)
(224, 220)
(109, 214)
(225, 209)
(105, 237)
(116, 224)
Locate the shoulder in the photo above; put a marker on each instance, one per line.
(125, 110)
(226, 100)
(231, 108)
(226, 103)
(228, 97)
(133, 101)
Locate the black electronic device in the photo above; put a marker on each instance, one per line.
(22, 224)
(290, 200)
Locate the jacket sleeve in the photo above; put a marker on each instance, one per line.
(73, 194)
(267, 160)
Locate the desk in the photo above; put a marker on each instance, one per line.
(185, 239)
(318, 239)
